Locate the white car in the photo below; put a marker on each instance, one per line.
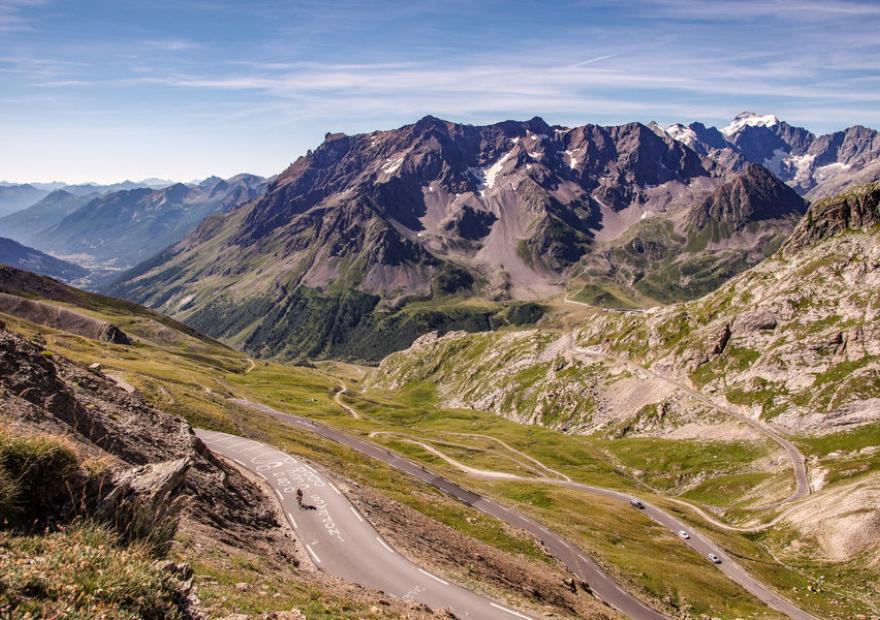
(636, 503)
(683, 534)
(715, 559)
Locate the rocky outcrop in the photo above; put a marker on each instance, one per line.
(146, 496)
(63, 319)
(155, 465)
(857, 209)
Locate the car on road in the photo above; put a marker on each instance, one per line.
(636, 503)
(683, 534)
(715, 559)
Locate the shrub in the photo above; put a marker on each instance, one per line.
(35, 476)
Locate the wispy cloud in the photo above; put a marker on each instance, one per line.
(786, 10)
(592, 61)
(12, 14)
(172, 45)
(619, 83)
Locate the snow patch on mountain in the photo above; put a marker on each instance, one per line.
(487, 176)
(788, 166)
(803, 167)
(830, 169)
(393, 165)
(749, 119)
(683, 134)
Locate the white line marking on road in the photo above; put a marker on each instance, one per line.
(314, 555)
(311, 469)
(240, 463)
(292, 521)
(434, 577)
(360, 518)
(382, 542)
(262, 475)
(333, 486)
(227, 438)
(510, 611)
(278, 493)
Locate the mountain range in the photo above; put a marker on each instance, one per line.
(106, 231)
(370, 240)
(815, 166)
(125, 227)
(373, 232)
(17, 255)
(16, 197)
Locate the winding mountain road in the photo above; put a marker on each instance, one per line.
(340, 541)
(699, 543)
(798, 463)
(577, 562)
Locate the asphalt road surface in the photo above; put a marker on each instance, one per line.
(577, 562)
(343, 543)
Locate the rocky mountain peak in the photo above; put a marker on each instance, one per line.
(752, 196)
(749, 119)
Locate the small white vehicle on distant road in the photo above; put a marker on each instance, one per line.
(715, 559)
(683, 534)
(636, 503)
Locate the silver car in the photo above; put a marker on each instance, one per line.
(715, 559)
(683, 534)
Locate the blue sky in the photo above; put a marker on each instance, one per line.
(109, 90)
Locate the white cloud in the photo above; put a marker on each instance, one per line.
(789, 10)
(173, 45)
(11, 14)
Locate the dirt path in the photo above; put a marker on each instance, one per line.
(566, 300)
(536, 468)
(338, 398)
(509, 448)
(499, 475)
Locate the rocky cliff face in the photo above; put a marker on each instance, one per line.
(752, 197)
(856, 210)
(660, 260)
